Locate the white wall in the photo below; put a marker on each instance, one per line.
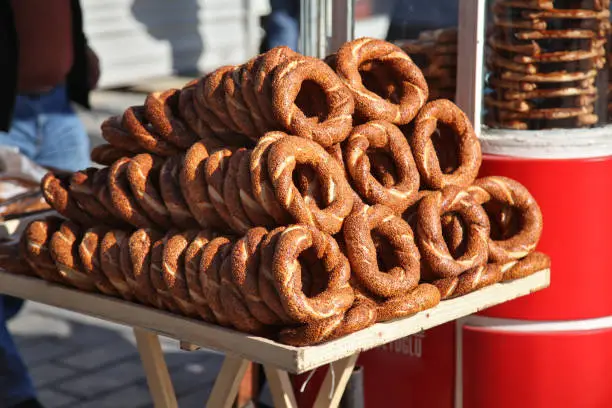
(140, 39)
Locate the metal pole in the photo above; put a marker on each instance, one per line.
(343, 23)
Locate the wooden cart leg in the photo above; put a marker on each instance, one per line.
(280, 387)
(158, 378)
(336, 379)
(226, 386)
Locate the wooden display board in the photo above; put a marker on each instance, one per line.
(277, 359)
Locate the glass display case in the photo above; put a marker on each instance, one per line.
(546, 64)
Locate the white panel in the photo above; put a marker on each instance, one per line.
(140, 39)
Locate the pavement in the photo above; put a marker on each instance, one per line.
(81, 361)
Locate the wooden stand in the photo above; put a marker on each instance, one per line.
(278, 360)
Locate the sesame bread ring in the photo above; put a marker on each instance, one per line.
(123, 199)
(470, 281)
(64, 249)
(127, 269)
(81, 189)
(110, 256)
(263, 190)
(361, 315)
(234, 304)
(514, 195)
(139, 251)
(382, 137)
(217, 167)
(161, 110)
(311, 333)
(172, 195)
(56, 193)
(267, 290)
(173, 269)
(143, 177)
(118, 137)
(532, 263)
(247, 84)
(236, 107)
(262, 73)
(210, 88)
(424, 297)
(246, 258)
(445, 112)
(413, 90)
(193, 259)
(231, 191)
(213, 255)
(334, 123)
(156, 276)
(35, 246)
(135, 122)
(196, 123)
(106, 154)
(254, 211)
(89, 253)
(403, 272)
(102, 193)
(283, 157)
(337, 295)
(433, 248)
(194, 187)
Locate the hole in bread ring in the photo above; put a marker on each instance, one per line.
(515, 196)
(336, 295)
(434, 250)
(336, 111)
(412, 87)
(401, 257)
(283, 157)
(425, 126)
(388, 142)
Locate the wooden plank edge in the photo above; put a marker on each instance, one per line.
(446, 311)
(258, 349)
(230, 342)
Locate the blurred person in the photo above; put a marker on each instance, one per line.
(282, 25)
(410, 17)
(45, 64)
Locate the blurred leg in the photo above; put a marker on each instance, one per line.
(15, 382)
(283, 24)
(64, 141)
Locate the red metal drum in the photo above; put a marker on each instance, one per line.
(511, 368)
(576, 199)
